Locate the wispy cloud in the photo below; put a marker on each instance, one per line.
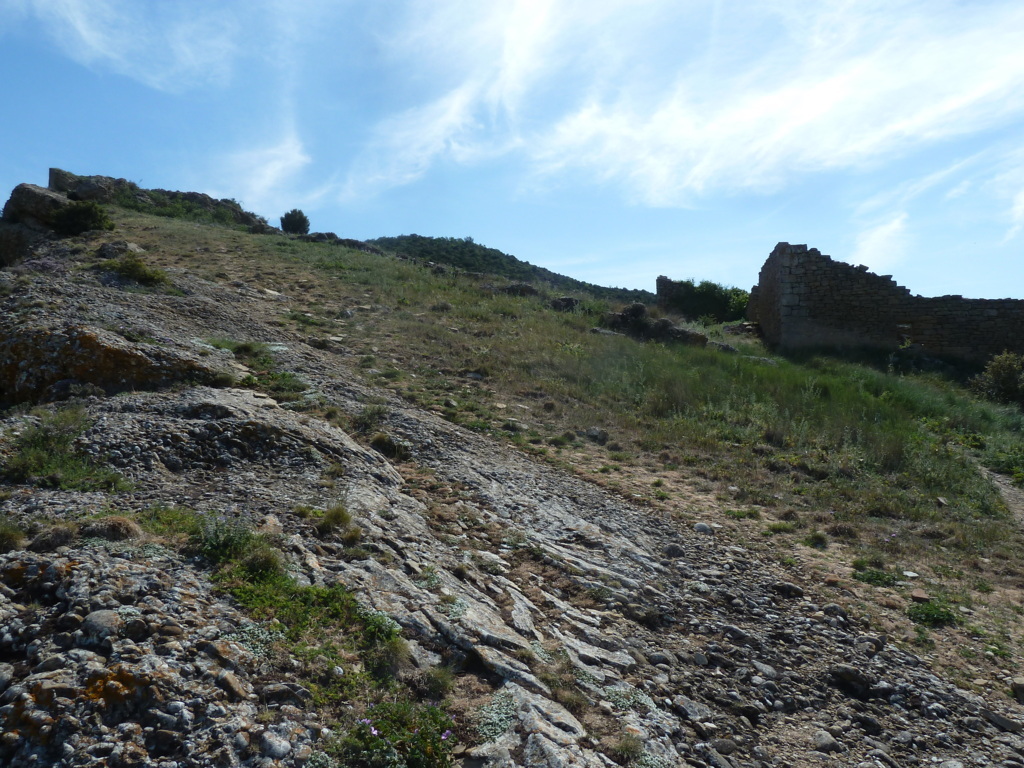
(675, 101)
(265, 177)
(884, 245)
(168, 46)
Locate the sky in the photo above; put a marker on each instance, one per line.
(609, 140)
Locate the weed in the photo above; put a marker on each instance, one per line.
(438, 682)
(284, 386)
(877, 577)
(816, 540)
(351, 536)
(627, 749)
(369, 418)
(783, 526)
(400, 733)
(169, 521)
(335, 519)
(221, 540)
(743, 514)
(263, 563)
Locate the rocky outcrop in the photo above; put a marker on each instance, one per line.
(50, 361)
(104, 189)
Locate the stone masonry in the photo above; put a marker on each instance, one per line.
(804, 299)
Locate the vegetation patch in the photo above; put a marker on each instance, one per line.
(132, 267)
(45, 455)
(933, 614)
(283, 386)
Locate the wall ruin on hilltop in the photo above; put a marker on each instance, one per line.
(804, 299)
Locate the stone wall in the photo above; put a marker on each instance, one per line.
(804, 299)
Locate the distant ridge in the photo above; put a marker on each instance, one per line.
(473, 257)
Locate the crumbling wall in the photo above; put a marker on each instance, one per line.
(804, 299)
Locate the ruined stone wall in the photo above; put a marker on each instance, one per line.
(805, 299)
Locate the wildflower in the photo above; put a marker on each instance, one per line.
(445, 735)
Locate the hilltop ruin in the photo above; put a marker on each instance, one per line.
(804, 299)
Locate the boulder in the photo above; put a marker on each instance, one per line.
(33, 206)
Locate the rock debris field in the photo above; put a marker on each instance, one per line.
(118, 649)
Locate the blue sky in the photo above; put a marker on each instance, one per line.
(612, 141)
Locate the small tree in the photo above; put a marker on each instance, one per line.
(295, 222)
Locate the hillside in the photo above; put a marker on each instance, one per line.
(273, 502)
(473, 257)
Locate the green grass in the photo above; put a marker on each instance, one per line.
(45, 455)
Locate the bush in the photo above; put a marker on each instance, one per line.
(295, 222)
(80, 217)
(1002, 380)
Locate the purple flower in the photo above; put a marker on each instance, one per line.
(445, 735)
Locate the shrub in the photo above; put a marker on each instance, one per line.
(113, 528)
(1002, 380)
(81, 217)
(295, 222)
(369, 418)
(707, 301)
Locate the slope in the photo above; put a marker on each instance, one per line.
(396, 487)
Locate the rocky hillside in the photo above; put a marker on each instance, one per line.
(215, 573)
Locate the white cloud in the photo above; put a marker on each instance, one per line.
(168, 46)
(265, 177)
(674, 101)
(882, 246)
